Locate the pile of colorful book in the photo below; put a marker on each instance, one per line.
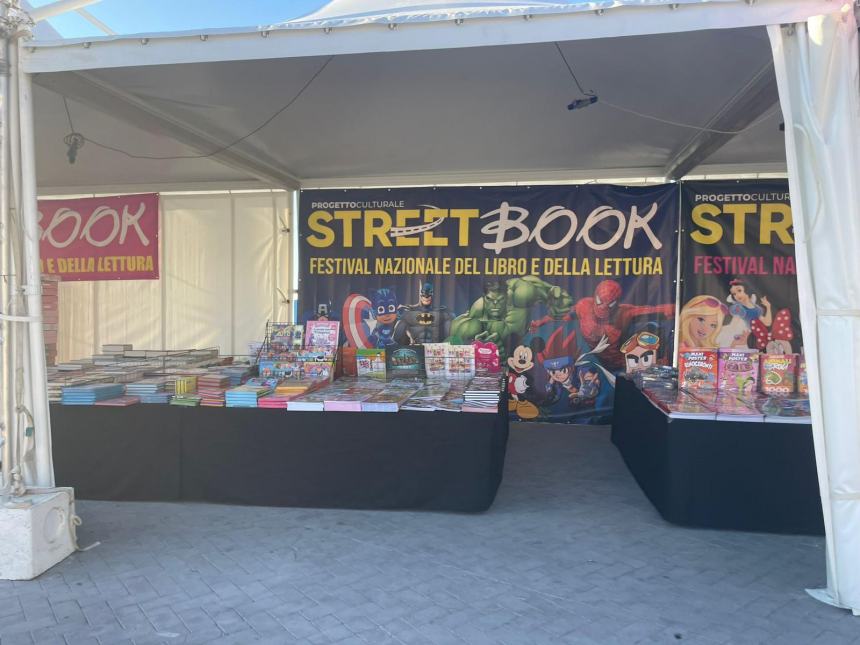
(149, 390)
(482, 394)
(211, 388)
(248, 395)
(90, 394)
(186, 400)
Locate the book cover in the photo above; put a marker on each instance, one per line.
(697, 369)
(778, 373)
(738, 370)
(783, 409)
(461, 362)
(486, 357)
(732, 406)
(435, 360)
(286, 336)
(405, 362)
(370, 362)
(802, 382)
(322, 333)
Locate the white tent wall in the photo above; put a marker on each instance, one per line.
(223, 259)
(818, 75)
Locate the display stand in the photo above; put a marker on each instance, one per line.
(719, 474)
(407, 460)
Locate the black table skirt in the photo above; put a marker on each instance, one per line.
(409, 460)
(719, 474)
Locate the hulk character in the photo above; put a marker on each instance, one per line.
(504, 311)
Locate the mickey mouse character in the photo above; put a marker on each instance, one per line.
(520, 381)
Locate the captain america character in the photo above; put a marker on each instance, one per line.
(424, 321)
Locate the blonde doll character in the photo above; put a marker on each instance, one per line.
(700, 322)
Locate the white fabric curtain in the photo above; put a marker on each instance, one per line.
(817, 72)
(225, 258)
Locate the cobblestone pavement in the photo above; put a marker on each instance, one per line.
(571, 552)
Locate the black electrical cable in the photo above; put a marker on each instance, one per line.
(209, 154)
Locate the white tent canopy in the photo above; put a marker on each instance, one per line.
(374, 92)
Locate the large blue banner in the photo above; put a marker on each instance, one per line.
(575, 284)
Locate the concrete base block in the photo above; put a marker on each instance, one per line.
(36, 532)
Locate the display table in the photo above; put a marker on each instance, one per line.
(408, 460)
(719, 474)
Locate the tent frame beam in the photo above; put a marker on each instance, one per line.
(753, 101)
(87, 89)
(215, 45)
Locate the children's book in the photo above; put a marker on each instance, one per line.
(486, 357)
(778, 373)
(697, 369)
(370, 362)
(461, 362)
(802, 382)
(738, 370)
(435, 359)
(322, 333)
(405, 362)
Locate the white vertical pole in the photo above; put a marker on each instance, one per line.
(33, 286)
(7, 350)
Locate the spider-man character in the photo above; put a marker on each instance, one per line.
(603, 315)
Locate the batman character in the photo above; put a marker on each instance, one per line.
(423, 322)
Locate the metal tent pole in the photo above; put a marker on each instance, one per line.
(7, 346)
(44, 476)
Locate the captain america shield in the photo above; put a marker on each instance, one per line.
(357, 321)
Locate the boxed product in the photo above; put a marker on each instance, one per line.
(697, 369)
(778, 373)
(738, 370)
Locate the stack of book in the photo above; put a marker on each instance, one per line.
(391, 398)
(90, 394)
(308, 402)
(211, 388)
(149, 390)
(425, 399)
(482, 394)
(246, 396)
(236, 373)
(119, 402)
(186, 400)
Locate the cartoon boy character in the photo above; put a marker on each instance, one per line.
(640, 351)
(520, 382)
(384, 311)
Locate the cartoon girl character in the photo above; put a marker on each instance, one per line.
(700, 322)
(744, 309)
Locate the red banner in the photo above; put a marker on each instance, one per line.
(100, 238)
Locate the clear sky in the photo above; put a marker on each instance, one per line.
(137, 16)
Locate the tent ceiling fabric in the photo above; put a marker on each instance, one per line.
(436, 113)
(350, 13)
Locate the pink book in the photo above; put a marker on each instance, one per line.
(738, 371)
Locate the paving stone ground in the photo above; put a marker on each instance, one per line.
(571, 552)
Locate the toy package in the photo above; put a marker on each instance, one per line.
(738, 370)
(778, 373)
(697, 369)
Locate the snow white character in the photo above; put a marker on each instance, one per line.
(700, 322)
(744, 309)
